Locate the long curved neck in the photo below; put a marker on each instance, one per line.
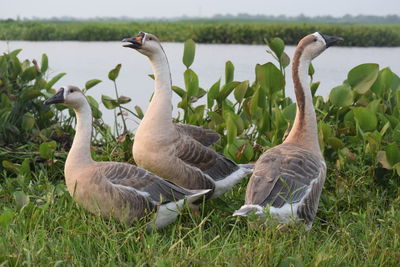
(304, 131)
(80, 150)
(159, 110)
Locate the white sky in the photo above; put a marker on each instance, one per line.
(204, 8)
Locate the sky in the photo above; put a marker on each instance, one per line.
(202, 8)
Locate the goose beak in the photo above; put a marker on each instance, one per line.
(331, 40)
(135, 42)
(55, 99)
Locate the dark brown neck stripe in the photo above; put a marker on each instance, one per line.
(298, 88)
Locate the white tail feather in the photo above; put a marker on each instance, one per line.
(167, 213)
(228, 182)
(246, 209)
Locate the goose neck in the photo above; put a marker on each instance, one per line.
(80, 150)
(159, 111)
(304, 131)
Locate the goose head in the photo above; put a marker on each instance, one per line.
(69, 95)
(314, 44)
(145, 43)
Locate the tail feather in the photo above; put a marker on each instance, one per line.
(247, 209)
(249, 166)
(197, 194)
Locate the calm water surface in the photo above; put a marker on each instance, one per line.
(83, 61)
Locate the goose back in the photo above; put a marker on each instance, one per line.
(288, 174)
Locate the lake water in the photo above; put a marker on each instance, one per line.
(83, 61)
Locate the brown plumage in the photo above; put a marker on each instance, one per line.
(115, 189)
(179, 153)
(289, 177)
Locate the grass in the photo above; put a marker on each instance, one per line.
(358, 224)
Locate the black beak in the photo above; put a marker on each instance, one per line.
(331, 40)
(57, 98)
(134, 42)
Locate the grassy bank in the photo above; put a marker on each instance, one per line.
(357, 224)
(199, 31)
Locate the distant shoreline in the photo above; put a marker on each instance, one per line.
(226, 31)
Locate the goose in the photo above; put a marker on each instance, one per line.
(288, 178)
(178, 152)
(116, 189)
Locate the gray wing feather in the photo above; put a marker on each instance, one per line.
(206, 137)
(158, 189)
(207, 160)
(285, 174)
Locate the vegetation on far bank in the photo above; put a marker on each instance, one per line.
(358, 222)
(200, 31)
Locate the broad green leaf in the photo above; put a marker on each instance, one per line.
(21, 199)
(326, 130)
(201, 93)
(15, 52)
(45, 63)
(285, 60)
(392, 153)
(314, 88)
(188, 53)
(240, 91)
(289, 112)
(366, 119)
(95, 107)
(270, 77)
(191, 82)
(46, 149)
(28, 121)
(374, 105)
(113, 74)
(229, 72)
(335, 142)
(395, 83)
(254, 101)
(198, 114)
(240, 151)
(213, 94)
(29, 74)
(277, 46)
(231, 129)
(262, 97)
(341, 96)
(55, 79)
(179, 91)
(89, 84)
(383, 82)
(226, 90)
(362, 77)
(109, 102)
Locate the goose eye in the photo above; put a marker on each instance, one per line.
(150, 38)
(315, 39)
